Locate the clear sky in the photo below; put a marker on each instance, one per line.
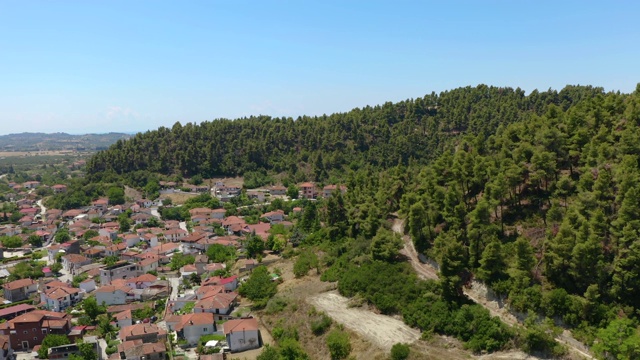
(100, 66)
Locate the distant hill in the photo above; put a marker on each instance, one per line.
(58, 141)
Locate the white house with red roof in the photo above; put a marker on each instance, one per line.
(192, 326)
(58, 298)
(220, 304)
(229, 283)
(114, 295)
(142, 282)
(242, 334)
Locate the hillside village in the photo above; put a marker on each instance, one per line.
(165, 285)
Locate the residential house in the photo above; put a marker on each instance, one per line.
(141, 218)
(163, 249)
(274, 216)
(175, 234)
(52, 251)
(260, 229)
(144, 203)
(200, 211)
(151, 239)
(119, 270)
(188, 270)
(114, 295)
(31, 184)
(101, 204)
(328, 190)
(95, 252)
(308, 190)
(192, 326)
(218, 213)
(131, 240)
(189, 242)
(229, 283)
(278, 190)
(258, 196)
(124, 318)
(71, 214)
(151, 263)
(138, 350)
(242, 334)
(208, 291)
(142, 282)
(233, 224)
(115, 249)
(88, 285)
(216, 303)
(71, 247)
(61, 297)
(59, 188)
(19, 290)
(148, 333)
(110, 232)
(200, 263)
(28, 330)
(73, 262)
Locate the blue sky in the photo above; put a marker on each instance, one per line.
(99, 66)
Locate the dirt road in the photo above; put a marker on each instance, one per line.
(378, 329)
(478, 294)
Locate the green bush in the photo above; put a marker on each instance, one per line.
(276, 305)
(338, 344)
(400, 351)
(320, 326)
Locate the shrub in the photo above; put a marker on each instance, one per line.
(400, 351)
(338, 344)
(320, 326)
(276, 305)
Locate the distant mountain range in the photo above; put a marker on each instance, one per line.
(58, 141)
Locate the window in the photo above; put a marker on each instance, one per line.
(205, 329)
(25, 332)
(44, 331)
(35, 338)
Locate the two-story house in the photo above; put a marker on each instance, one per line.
(114, 295)
(192, 326)
(28, 330)
(61, 297)
(73, 262)
(19, 290)
(138, 350)
(242, 334)
(119, 270)
(308, 190)
(148, 333)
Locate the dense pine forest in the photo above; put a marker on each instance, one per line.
(537, 195)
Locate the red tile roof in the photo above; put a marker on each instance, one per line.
(17, 284)
(240, 325)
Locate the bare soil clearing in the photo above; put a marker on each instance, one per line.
(382, 330)
(179, 198)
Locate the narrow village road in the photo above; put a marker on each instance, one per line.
(427, 271)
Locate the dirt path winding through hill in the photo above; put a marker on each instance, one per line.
(479, 295)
